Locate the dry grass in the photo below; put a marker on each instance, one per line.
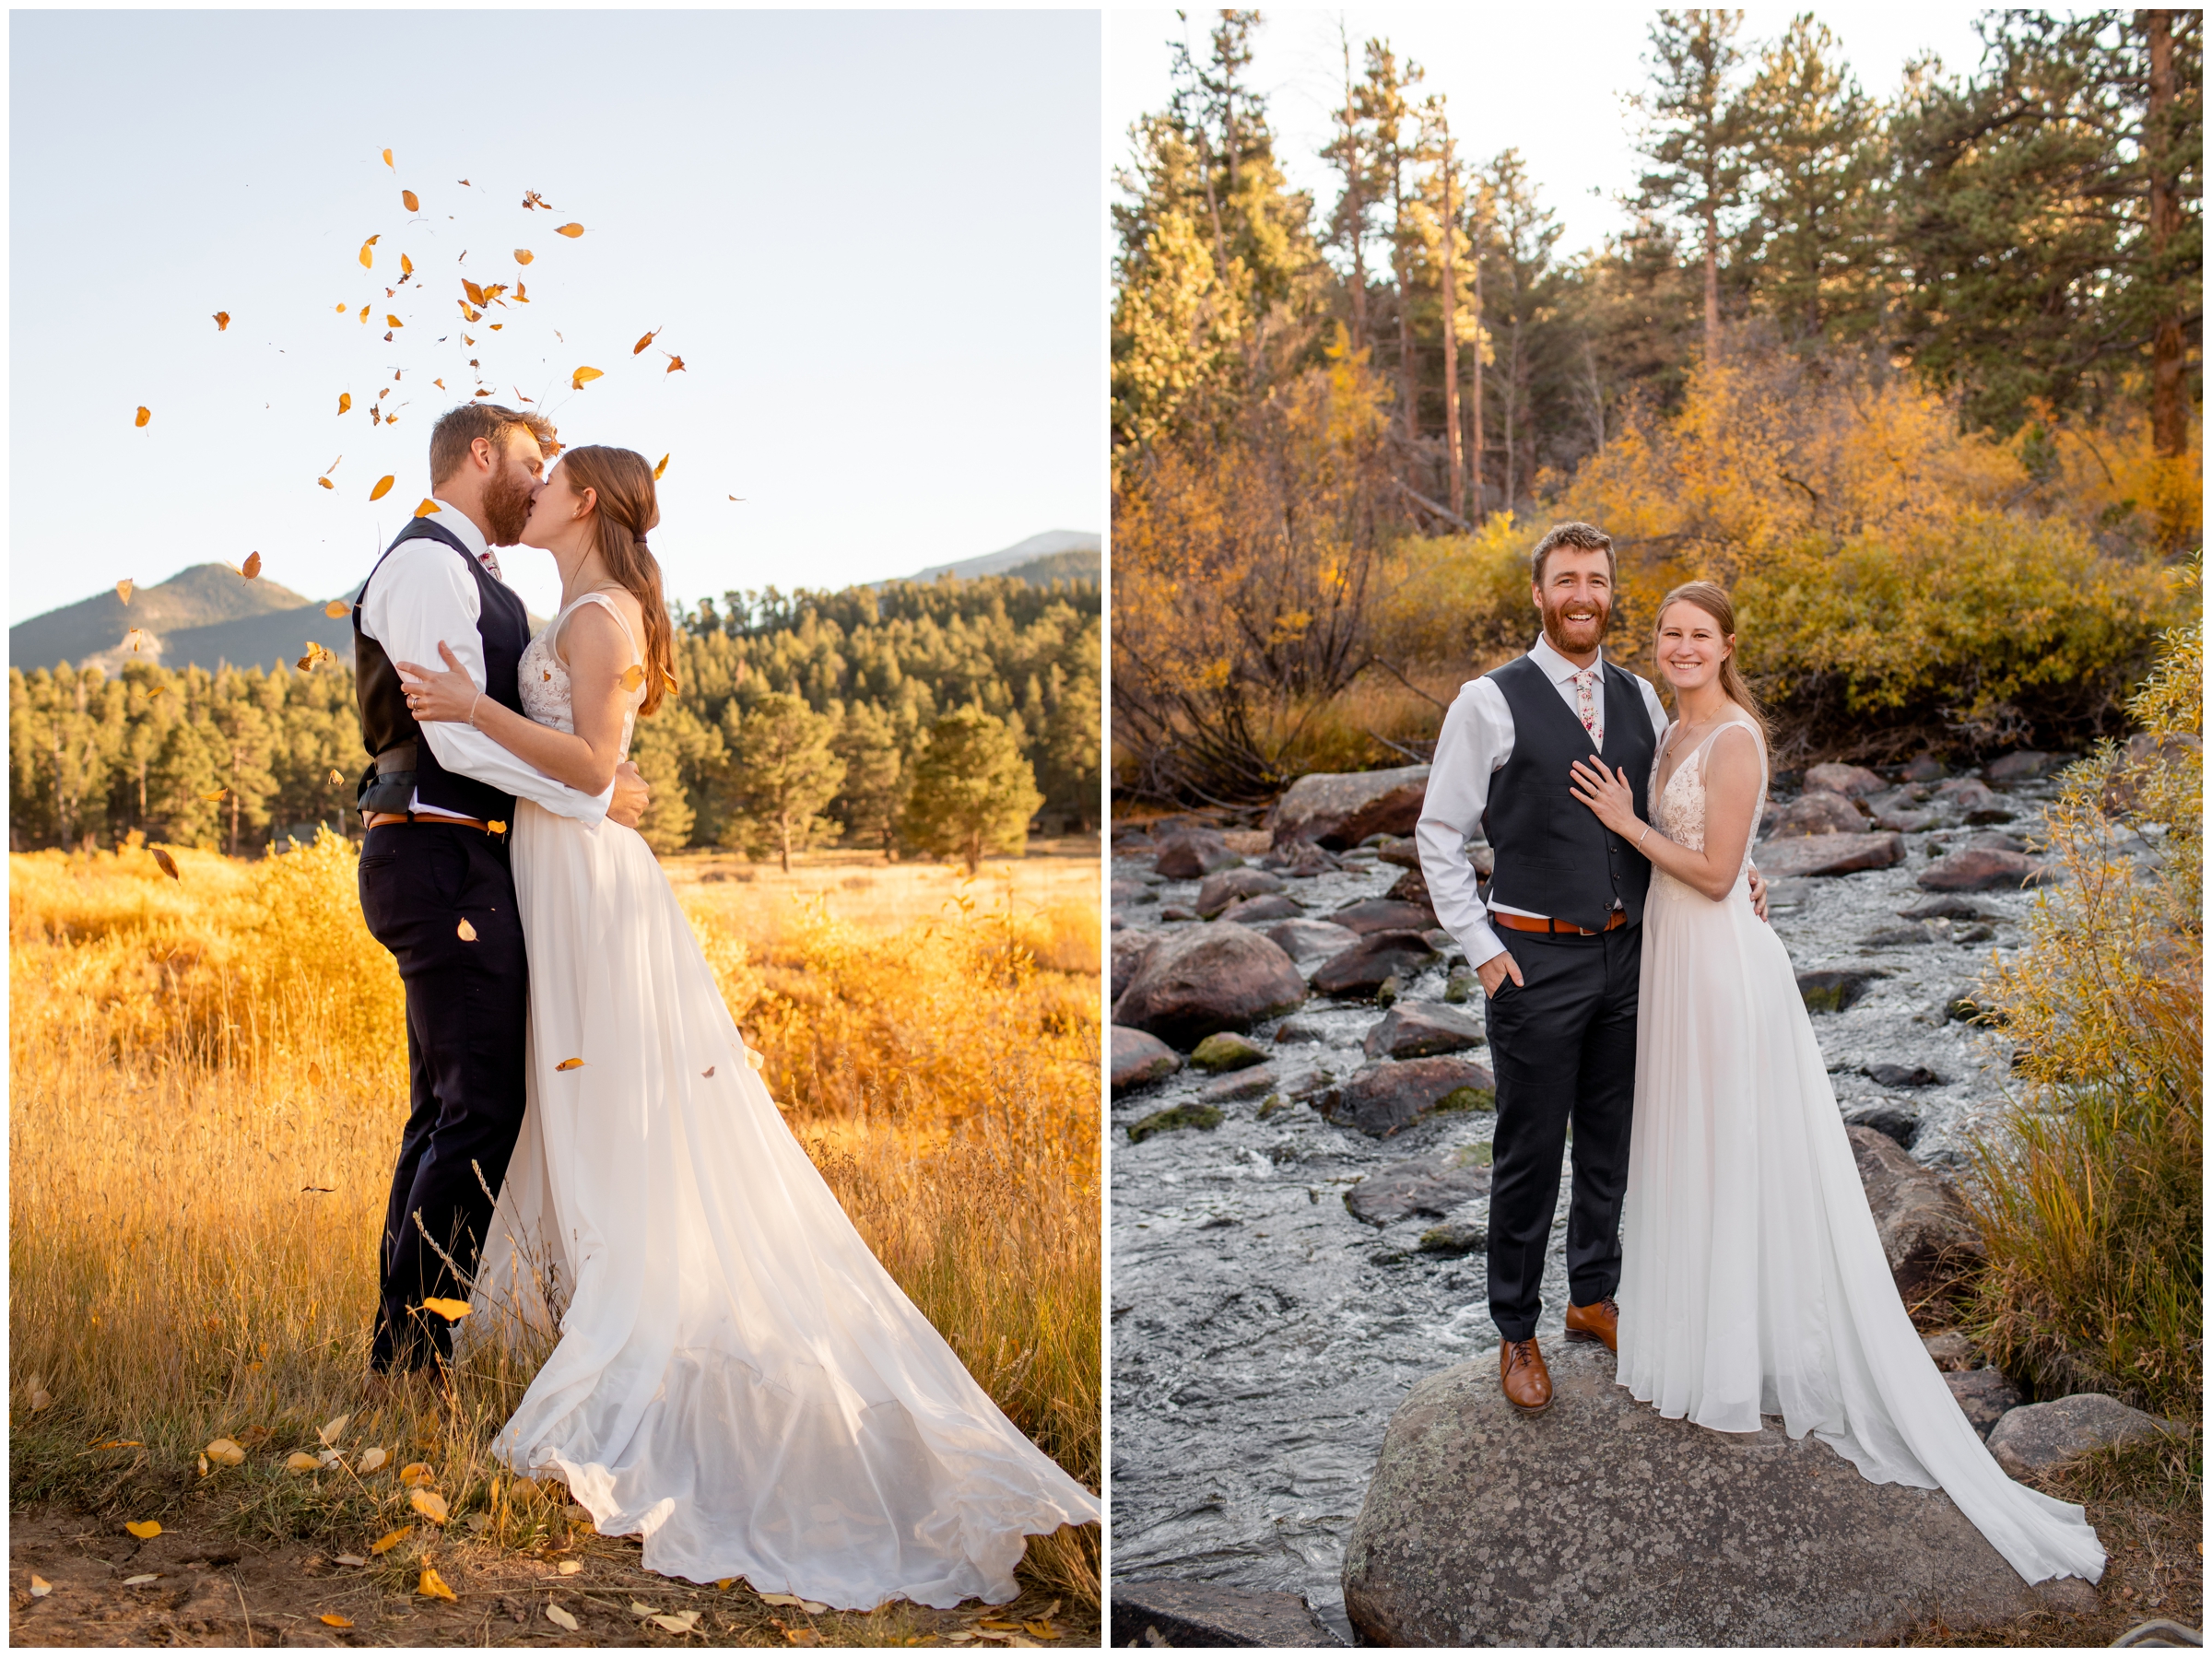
(208, 1079)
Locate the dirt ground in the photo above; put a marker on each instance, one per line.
(208, 1588)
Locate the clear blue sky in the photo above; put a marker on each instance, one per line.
(1546, 78)
(875, 239)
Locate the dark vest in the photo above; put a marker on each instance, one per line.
(1554, 857)
(405, 765)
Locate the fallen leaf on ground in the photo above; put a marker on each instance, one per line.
(416, 1474)
(168, 866)
(812, 1607)
(372, 1458)
(427, 1503)
(724, 1582)
(560, 1618)
(142, 1579)
(433, 1586)
(468, 932)
(570, 1065)
(203, 1464)
(639, 1608)
(229, 1451)
(300, 1461)
(452, 1312)
(145, 413)
(40, 1586)
(680, 1623)
(569, 1568)
(146, 1530)
(335, 1621)
(802, 1637)
(390, 1539)
(39, 1396)
(1041, 1630)
(351, 1559)
(383, 486)
(332, 1428)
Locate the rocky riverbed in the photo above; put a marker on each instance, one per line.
(1264, 1331)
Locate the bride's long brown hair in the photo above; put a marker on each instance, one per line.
(629, 507)
(1714, 601)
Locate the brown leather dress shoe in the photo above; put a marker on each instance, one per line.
(1600, 1321)
(1527, 1383)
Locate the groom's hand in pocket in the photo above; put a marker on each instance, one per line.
(1497, 969)
(631, 796)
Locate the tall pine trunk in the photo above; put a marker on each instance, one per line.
(1713, 280)
(1475, 449)
(1458, 490)
(2169, 414)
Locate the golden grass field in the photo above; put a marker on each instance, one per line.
(208, 1078)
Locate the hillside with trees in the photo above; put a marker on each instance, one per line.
(1916, 371)
(800, 718)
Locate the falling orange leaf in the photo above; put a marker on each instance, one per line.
(364, 314)
(217, 794)
(390, 1539)
(156, 692)
(439, 383)
(252, 567)
(468, 935)
(523, 255)
(708, 1072)
(166, 863)
(387, 158)
(522, 293)
(345, 401)
(337, 779)
(406, 265)
(532, 199)
(426, 508)
(475, 294)
(383, 486)
(639, 349)
(410, 199)
(432, 1585)
(145, 413)
(668, 679)
(392, 322)
(368, 258)
(660, 471)
(326, 483)
(222, 322)
(570, 1065)
(335, 1621)
(336, 607)
(137, 639)
(497, 825)
(584, 377)
(676, 363)
(452, 1312)
(570, 231)
(632, 676)
(123, 589)
(463, 183)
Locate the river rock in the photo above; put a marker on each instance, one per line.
(1174, 1120)
(1926, 1235)
(1973, 798)
(1241, 1084)
(1302, 861)
(1404, 854)
(2021, 766)
(1815, 813)
(1339, 809)
(1214, 977)
(1849, 780)
(1952, 1349)
(1905, 1076)
(1417, 1030)
(1944, 909)
(1984, 869)
(1829, 854)
(1833, 992)
(1302, 940)
(1294, 1030)
(1210, 1614)
(1412, 887)
(1364, 968)
(1263, 911)
(1601, 1522)
(1889, 1117)
(1389, 1095)
(1195, 854)
(1217, 892)
(1992, 839)
(1431, 1186)
(1132, 949)
(1454, 1237)
(1139, 1060)
(2038, 1437)
(1984, 1394)
(1223, 1051)
(1381, 914)
(1904, 820)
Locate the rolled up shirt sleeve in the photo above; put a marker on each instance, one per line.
(1477, 739)
(421, 596)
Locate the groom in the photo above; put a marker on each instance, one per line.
(437, 804)
(1569, 895)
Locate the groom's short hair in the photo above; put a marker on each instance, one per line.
(458, 429)
(1582, 537)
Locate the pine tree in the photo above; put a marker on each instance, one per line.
(875, 778)
(1694, 136)
(783, 772)
(973, 795)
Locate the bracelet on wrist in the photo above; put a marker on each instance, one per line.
(1640, 838)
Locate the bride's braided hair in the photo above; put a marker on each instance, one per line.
(628, 507)
(1714, 601)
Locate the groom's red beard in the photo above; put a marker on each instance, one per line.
(507, 504)
(1575, 638)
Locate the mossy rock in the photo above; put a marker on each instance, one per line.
(1460, 1237)
(1168, 1121)
(1461, 986)
(1271, 1104)
(1223, 1051)
(1473, 1155)
(1468, 1099)
(1391, 989)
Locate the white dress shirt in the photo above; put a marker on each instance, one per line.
(1477, 739)
(417, 596)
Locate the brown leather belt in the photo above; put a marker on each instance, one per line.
(377, 819)
(1614, 921)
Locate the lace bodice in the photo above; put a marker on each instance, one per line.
(1678, 809)
(546, 695)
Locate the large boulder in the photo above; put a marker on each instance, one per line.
(1412, 887)
(1210, 1613)
(1363, 968)
(1815, 813)
(1192, 854)
(1213, 976)
(1139, 1060)
(1302, 940)
(1430, 1185)
(2022, 765)
(1983, 869)
(1382, 914)
(1132, 949)
(1217, 892)
(1338, 809)
(1926, 1235)
(1973, 799)
(1381, 1098)
(1601, 1522)
(1827, 854)
(2038, 1437)
(1984, 1394)
(1421, 1030)
(1849, 782)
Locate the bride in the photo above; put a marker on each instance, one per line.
(737, 1380)
(1753, 1281)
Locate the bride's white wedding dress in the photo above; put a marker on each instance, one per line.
(1753, 1281)
(737, 1380)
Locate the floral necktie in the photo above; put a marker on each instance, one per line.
(1585, 704)
(491, 562)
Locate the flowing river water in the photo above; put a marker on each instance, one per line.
(1263, 1334)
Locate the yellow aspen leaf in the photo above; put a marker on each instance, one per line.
(416, 1475)
(145, 413)
(168, 866)
(326, 483)
(345, 401)
(387, 158)
(570, 231)
(156, 692)
(222, 322)
(427, 1503)
(668, 679)
(755, 1060)
(368, 258)
(40, 1586)
(452, 1312)
(522, 292)
(675, 364)
(661, 471)
(226, 1452)
(523, 255)
(203, 1464)
(439, 383)
(475, 294)
(332, 1428)
(724, 1582)
(406, 268)
(468, 935)
(584, 377)
(300, 1461)
(383, 486)
(678, 1624)
(338, 780)
(639, 349)
(497, 825)
(252, 567)
(341, 307)
(141, 1579)
(569, 1567)
(336, 608)
(390, 1539)
(217, 794)
(1040, 1630)
(335, 1621)
(123, 589)
(432, 1585)
(364, 314)
(146, 1530)
(426, 508)
(137, 639)
(570, 1065)
(632, 676)
(560, 1619)
(392, 322)
(375, 1456)
(411, 200)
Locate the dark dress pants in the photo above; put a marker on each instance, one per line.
(1563, 1045)
(466, 1003)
